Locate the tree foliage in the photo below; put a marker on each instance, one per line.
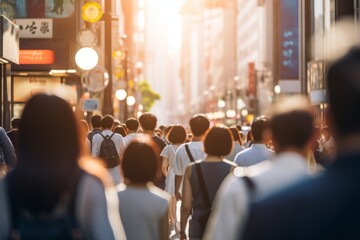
(148, 96)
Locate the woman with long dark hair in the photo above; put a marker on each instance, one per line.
(48, 178)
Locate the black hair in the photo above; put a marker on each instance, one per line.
(344, 93)
(177, 134)
(199, 124)
(96, 121)
(49, 149)
(132, 124)
(107, 122)
(148, 121)
(218, 141)
(258, 126)
(140, 162)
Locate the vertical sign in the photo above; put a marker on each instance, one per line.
(289, 40)
(251, 76)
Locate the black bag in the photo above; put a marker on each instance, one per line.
(54, 226)
(108, 152)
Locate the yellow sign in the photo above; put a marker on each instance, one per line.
(119, 72)
(91, 12)
(118, 54)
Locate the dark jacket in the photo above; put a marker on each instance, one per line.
(326, 207)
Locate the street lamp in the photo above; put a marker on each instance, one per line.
(121, 94)
(130, 101)
(86, 58)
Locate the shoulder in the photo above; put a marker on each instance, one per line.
(2, 130)
(230, 163)
(159, 141)
(241, 154)
(181, 149)
(90, 185)
(159, 193)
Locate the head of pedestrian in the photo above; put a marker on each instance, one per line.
(199, 124)
(15, 122)
(96, 121)
(140, 162)
(148, 121)
(258, 128)
(177, 134)
(292, 125)
(218, 141)
(132, 124)
(107, 122)
(343, 97)
(49, 155)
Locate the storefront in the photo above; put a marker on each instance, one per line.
(47, 46)
(9, 53)
(43, 68)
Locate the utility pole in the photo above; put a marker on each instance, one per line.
(108, 107)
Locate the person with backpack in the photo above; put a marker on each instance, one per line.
(109, 147)
(49, 195)
(96, 127)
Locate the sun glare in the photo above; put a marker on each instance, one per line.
(169, 13)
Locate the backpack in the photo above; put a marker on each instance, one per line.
(108, 152)
(27, 226)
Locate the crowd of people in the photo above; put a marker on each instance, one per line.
(284, 179)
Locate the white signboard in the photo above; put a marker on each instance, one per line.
(35, 27)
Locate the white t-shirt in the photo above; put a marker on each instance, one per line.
(128, 138)
(182, 158)
(257, 153)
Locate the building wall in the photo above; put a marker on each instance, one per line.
(208, 55)
(162, 57)
(255, 45)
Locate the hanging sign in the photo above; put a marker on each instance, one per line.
(37, 56)
(35, 28)
(91, 12)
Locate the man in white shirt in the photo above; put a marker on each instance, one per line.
(199, 124)
(106, 125)
(132, 124)
(293, 137)
(258, 151)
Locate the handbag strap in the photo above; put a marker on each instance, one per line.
(201, 180)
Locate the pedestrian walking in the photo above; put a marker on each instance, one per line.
(199, 125)
(202, 180)
(144, 207)
(48, 195)
(176, 136)
(325, 207)
(258, 151)
(112, 152)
